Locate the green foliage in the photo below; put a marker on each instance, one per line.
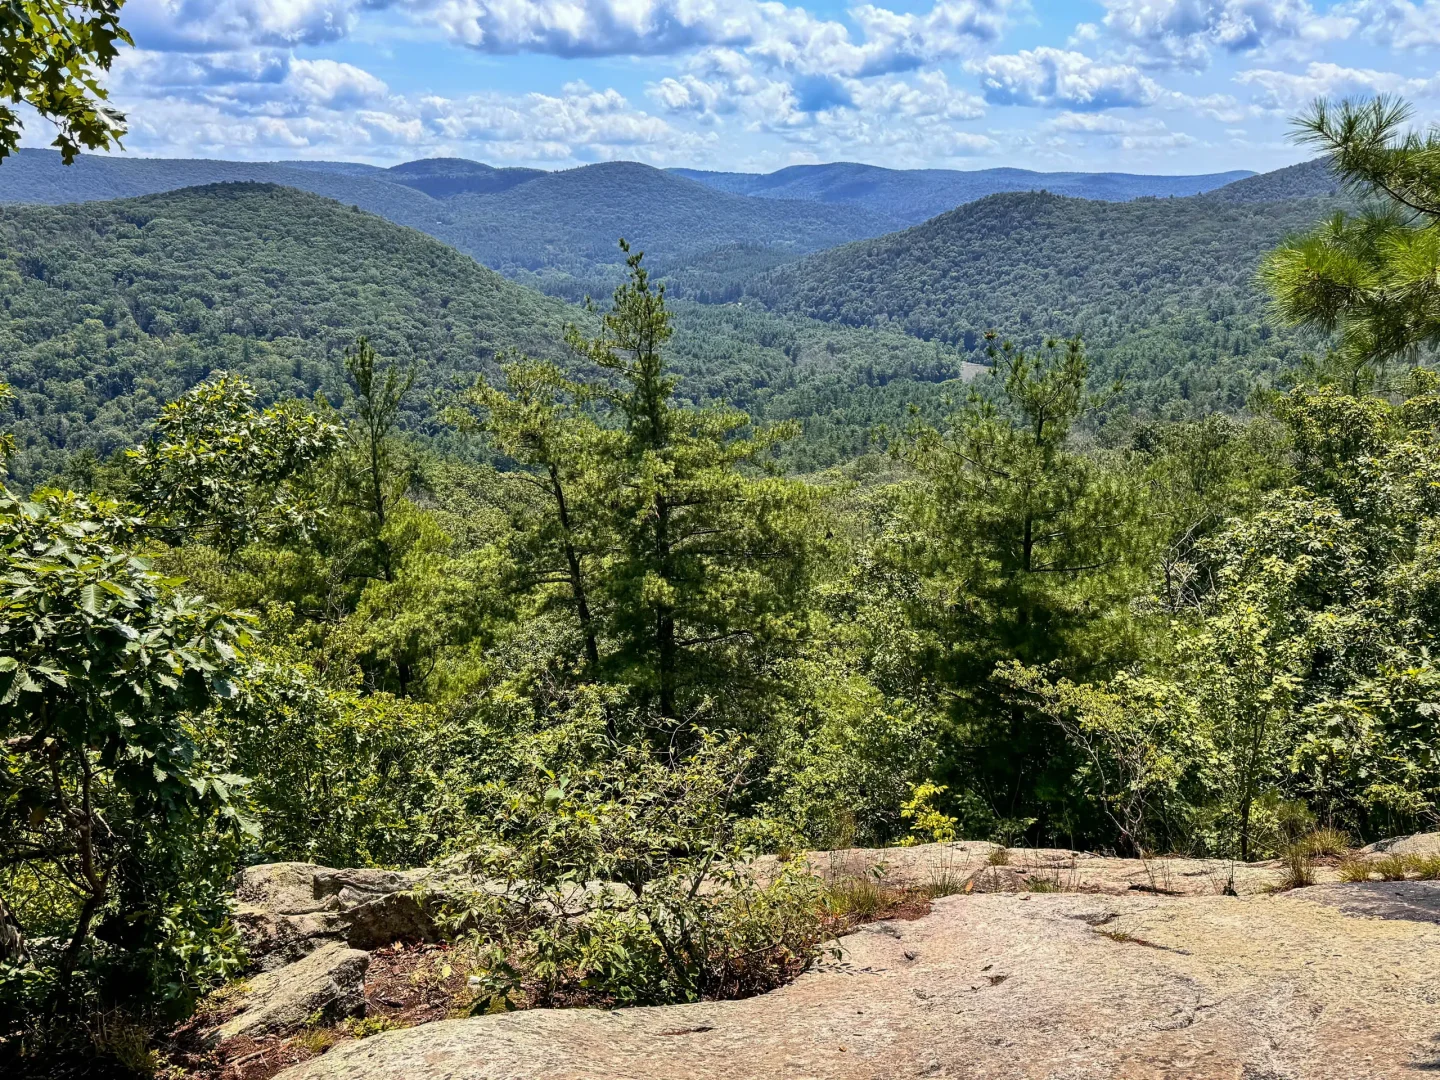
(338, 777)
(374, 475)
(681, 558)
(927, 824)
(51, 55)
(111, 805)
(1024, 548)
(1370, 278)
(218, 470)
(1298, 682)
(1162, 291)
(617, 877)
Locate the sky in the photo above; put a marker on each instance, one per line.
(1159, 86)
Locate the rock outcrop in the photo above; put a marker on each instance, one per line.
(1335, 982)
(324, 986)
(985, 867)
(308, 930)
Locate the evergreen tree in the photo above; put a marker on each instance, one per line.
(375, 473)
(1368, 278)
(1026, 548)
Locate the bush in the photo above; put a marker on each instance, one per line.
(339, 777)
(620, 881)
(117, 832)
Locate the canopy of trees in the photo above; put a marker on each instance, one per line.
(615, 648)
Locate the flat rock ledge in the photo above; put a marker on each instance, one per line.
(1333, 982)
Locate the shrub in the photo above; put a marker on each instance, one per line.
(620, 882)
(857, 897)
(1326, 843)
(1353, 869)
(1297, 869)
(117, 833)
(927, 824)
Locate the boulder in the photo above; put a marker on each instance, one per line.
(325, 985)
(1417, 844)
(1339, 982)
(286, 910)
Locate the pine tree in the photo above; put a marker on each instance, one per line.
(1369, 278)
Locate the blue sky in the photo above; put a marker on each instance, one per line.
(1173, 86)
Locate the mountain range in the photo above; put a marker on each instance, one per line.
(914, 195)
(822, 311)
(557, 230)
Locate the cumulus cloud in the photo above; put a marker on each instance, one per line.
(1063, 78)
(212, 25)
(1398, 24)
(790, 36)
(1183, 33)
(249, 81)
(577, 124)
(1117, 132)
(1284, 91)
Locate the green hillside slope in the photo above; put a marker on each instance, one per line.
(1308, 180)
(555, 231)
(111, 309)
(558, 231)
(915, 195)
(1162, 290)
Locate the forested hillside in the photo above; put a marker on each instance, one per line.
(555, 231)
(915, 195)
(113, 308)
(558, 231)
(1162, 290)
(1308, 180)
(588, 641)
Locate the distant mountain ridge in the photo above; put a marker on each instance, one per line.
(112, 308)
(553, 230)
(557, 231)
(916, 195)
(1308, 180)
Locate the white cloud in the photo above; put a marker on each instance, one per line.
(211, 25)
(1398, 24)
(1285, 91)
(1117, 132)
(248, 81)
(1061, 78)
(1182, 33)
(322, 108)
(334, 85)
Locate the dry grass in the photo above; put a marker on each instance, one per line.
(999, 857)
(945, 877)
(1391, 868)
(1426, 867)
(857, 897)
(1325, 844)
(1353, 869)
(1297, 867)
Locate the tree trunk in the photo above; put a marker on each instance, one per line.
(577, 580)
(12, 937)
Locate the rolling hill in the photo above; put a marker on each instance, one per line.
(110, 309)
(915, 195)
(1162, 290)
(556, 231)
(1308, 180)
